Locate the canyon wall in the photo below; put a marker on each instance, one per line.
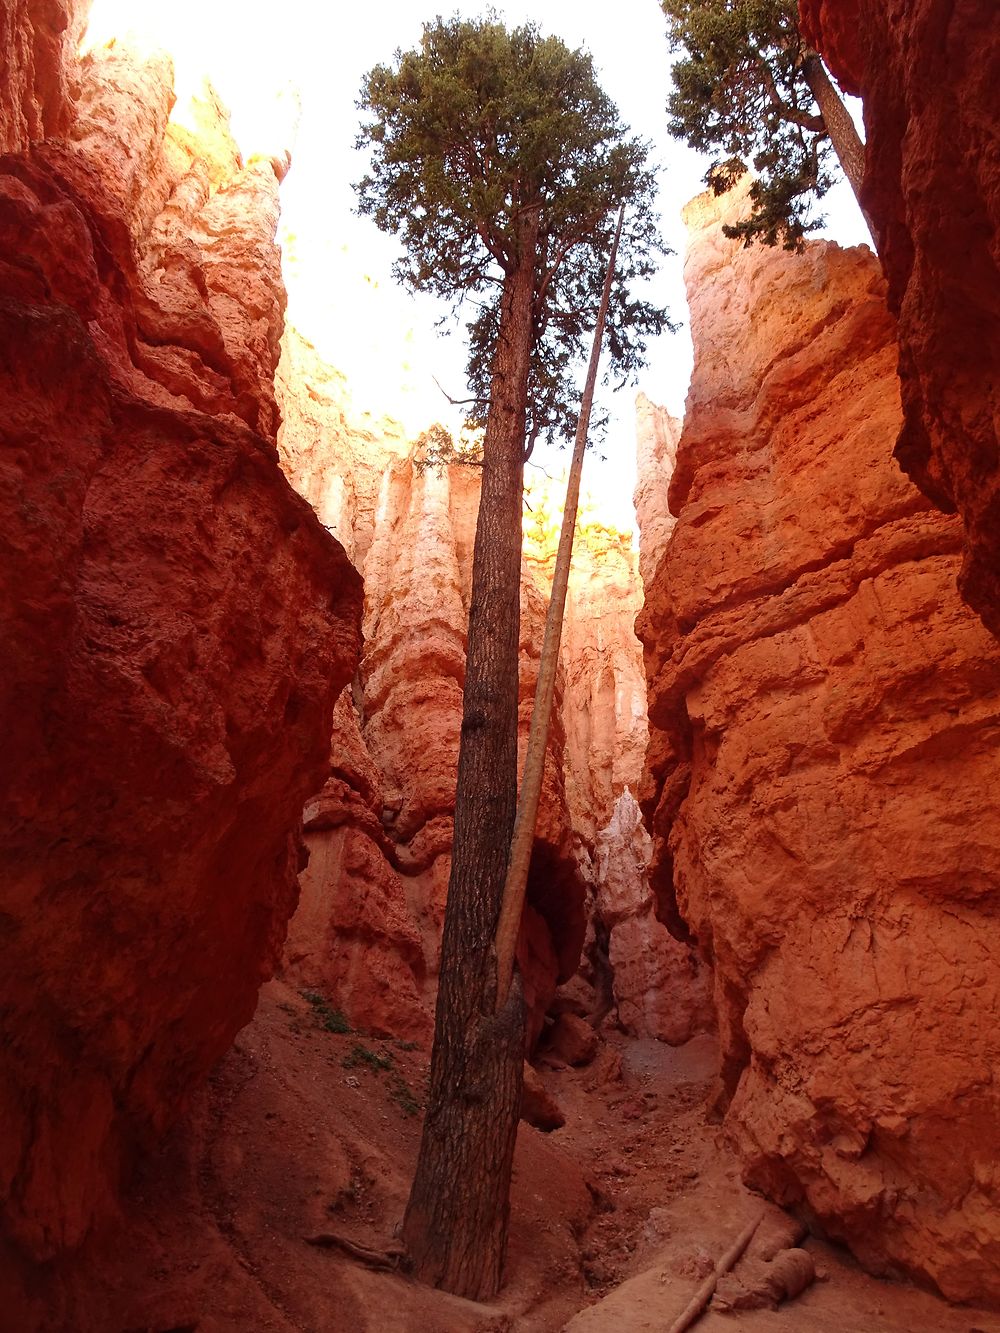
(825, 717)
(368, 932)
(928, 73)
(176, 622)
(657, 436)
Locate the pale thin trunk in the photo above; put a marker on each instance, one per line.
(534, 763)
(846, 141)
(699, 1301)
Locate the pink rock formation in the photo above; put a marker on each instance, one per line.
(354, 936)
(660, 987)
(176, 622)
(657, 437)
(928, 73)
(825, 716)
(604, 700)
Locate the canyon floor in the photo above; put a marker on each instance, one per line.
(304, 1130)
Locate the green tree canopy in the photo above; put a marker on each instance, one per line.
(748, 91)
(467, 133)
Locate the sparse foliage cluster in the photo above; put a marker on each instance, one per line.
(437, 447)
(361, 1056)
(330, 1019)
(745, 92)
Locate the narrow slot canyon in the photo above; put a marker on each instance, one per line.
(760, 951)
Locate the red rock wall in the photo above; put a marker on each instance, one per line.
(176, 622)
(604, 708)
(36, 69)
(928, 71)
(825, 717)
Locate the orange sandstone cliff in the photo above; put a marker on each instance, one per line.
(928, 73)
(825, 717)
(176, 622)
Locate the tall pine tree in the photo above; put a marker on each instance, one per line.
(501, 164)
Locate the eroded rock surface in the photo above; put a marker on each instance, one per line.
(928, 73)
(176, 622)
(661, 988)
(824, 716)
(605, 687)
(657, 437)
(381, 844)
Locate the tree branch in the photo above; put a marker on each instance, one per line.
(529, 447)
(495, 249)
(457, 402)
(786, 112)
(574, 239)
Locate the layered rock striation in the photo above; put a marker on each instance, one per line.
(177, 624)
(824, 717)
(657, 437)
(928, 74)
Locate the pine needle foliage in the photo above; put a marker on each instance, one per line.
(741, 94)
(437, 448)
(466, 133)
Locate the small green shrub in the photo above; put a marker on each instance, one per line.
(402, 1094)
(364, 1055)
(327, 1017)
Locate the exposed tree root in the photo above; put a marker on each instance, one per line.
(392, 1260)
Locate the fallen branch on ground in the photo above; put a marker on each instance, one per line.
(699, 1301)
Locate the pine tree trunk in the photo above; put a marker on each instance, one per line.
(846, 141)
(455, 1227)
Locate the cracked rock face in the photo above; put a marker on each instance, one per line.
(661, 988)
(928, 74)
(176, 623)
(825, 719)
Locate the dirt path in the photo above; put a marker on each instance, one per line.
(616, 1217)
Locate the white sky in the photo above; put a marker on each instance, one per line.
(337, 265)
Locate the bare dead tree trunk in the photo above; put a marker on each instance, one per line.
(534, 762)
(846, 141)
(455, 1226)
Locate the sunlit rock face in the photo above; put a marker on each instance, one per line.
(605, 687)
(657, 437)
(176, 622)
(928, 74)
(825, 716)
(380, 835)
